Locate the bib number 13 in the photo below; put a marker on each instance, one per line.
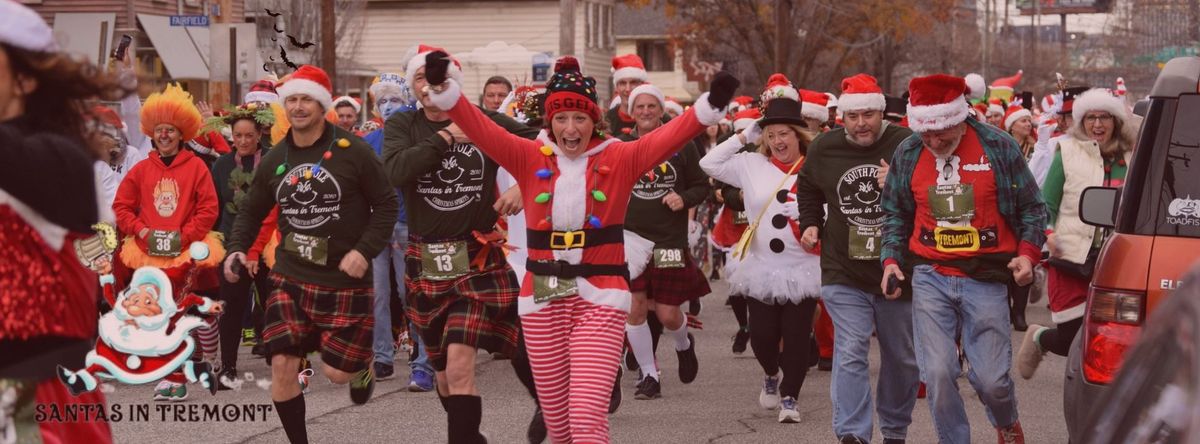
(444, 263)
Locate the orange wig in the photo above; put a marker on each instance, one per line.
(173, 107)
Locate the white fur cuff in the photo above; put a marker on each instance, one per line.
(705, 113)
(446, 99)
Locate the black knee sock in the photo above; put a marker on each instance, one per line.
(656, 329)
(441, 398)
(291, 414)
(463, 415)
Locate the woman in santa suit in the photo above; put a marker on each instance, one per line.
(576, 184)
(781, 279)
(48, 202)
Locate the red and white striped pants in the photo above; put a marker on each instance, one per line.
(574, 350)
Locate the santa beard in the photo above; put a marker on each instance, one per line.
(148, 337)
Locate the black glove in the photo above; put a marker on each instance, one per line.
(437, 64)
(720, 90)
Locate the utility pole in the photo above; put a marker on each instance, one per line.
(328, 42)
(783, 33)
(566, 27)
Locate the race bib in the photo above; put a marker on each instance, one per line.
(668, 258)
(739, 217)
(310, 248)
(952, 202)
(956, 239)
(164, 243)
(865, 242)
(444, 260)
(549, 288)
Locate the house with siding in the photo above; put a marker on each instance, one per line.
(643, 31)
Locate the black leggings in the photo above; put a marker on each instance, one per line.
(237, 300)
(791, 323)
(1058, 340)
(1018, 297)
(738, 303)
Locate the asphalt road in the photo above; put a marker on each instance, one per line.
(719, 407)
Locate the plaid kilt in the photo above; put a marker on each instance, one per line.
(672, 286)
(302, 317)
(478, 309)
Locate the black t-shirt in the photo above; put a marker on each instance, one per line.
(648, 216)
(448, 190)
(843, 175)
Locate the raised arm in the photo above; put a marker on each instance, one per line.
(506, 148)
(719, 163)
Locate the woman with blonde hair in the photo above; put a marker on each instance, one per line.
(781, 279)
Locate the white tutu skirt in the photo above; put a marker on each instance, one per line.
(775, 282)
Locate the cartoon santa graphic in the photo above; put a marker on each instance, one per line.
(146, 335)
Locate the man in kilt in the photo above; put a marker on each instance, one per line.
(462, 292)
(336, 209)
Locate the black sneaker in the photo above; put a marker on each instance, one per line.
(851, 439)
(362, 384)
(739, 341)
(259, 350)
(825, 364)
(205, 376)
(614, 400)
(227, 374)
(537, 428)
(688, 364)
(384, 372)
(649, 388)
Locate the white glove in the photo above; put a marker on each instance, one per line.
(752, 134)
(1044, 132)
(790, 209)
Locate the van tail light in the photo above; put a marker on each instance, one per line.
(1112, 326)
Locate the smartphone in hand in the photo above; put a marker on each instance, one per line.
(119, 52)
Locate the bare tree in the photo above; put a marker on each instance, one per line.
(300, 19)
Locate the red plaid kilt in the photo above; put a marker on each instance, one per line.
(672, 286)
(301, 318)
(478, 309)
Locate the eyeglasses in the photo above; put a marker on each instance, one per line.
(1106, 118)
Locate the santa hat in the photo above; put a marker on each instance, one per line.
(976, 86)
(743, 119)
(861, 92)
(1007, 84)
(310, 81)
(645, 89)
(815, 105)
(937, 102)
(1051, 103)
(995, 106)
(347, 100)
(173, 107)
(1015, 113)
(23, 28)
(672, 106)
(1120, 91)
(1098, 99)
(742, 102)
(106, 121)
(389, 84)
(628, 66)
(778, 86)
(454, 71)
(831, 100)
(262, 91)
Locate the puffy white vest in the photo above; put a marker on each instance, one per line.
(1083, 167)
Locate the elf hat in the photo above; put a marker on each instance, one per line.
(23, 28)
(743, 119)
(628, 66)
(778, 86)
(347, 100)
(1015, 113)
(262, 91)
(937, 102)
(1007, 83)
(646, 89)
(454, 71)
(308, 80)
(569, 90)
(861, 92)
(815, 105)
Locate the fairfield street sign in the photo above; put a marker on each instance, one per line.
(189, 20)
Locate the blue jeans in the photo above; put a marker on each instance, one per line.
(942, 306)
(857, 314)
(392, 257)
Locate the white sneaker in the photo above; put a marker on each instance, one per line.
(787, 411)
(768, 398)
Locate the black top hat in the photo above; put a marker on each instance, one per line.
(895, 106)
(782, 110)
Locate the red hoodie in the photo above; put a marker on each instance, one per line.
(186, 200)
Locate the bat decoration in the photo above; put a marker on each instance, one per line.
(273, 39)
(297, 44)
(276, 27)
(265, 68)
(273, 14)
(283, 55)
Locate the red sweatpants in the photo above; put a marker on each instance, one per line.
(823, 330)
(574, 350)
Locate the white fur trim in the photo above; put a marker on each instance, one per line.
(1014, 117)
(616, 101)
(861, 102)
(629, 72)
(261, 96)
(348, 100)
(814, 111)
(1076, 312)
(673, 106)
(1098, 99)
(995, 109)
(306, 87)
(446, 99)
(776, 92)
(54, 235)
(645, 89)
(832, 101)
(705, 113)
(976, 86)
(206, 306)
(922, 118)
(418, 61)
(741, 124)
